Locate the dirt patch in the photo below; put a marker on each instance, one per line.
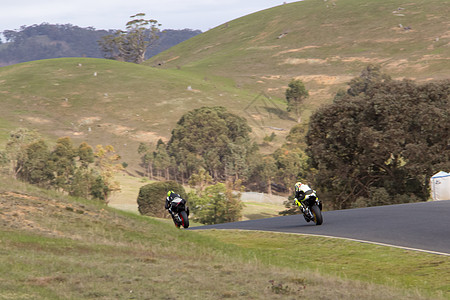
(271, 77)
(140, 135)
(66, 103)
(397, 63)
(117, 129)
(296, 50)
(316, 61)
(365, 60)
(299, 61)
(206, 48)
(146, 136)
(173, 58)
(88, 120)
(16, 211)
(325, 79)
(36, 120)
(30, 213)
(263, 47)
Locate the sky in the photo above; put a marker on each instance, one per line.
(114, 14)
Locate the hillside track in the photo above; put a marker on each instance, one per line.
(421, 226)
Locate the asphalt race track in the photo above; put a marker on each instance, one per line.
(421, 226)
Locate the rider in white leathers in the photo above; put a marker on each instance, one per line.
(300, 192)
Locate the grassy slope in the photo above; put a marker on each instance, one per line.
(324, 44)
(58, 248)
(122, 105)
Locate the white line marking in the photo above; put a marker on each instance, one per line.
(344, 238)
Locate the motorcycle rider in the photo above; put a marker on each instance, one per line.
(170, 196)
(300, 190)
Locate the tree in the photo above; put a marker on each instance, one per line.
(147, 158)
(106, 160)
(391, 136)
(162, 159)
(200, 179)
(85, 154)
(131, 45)
(4, 161)
(217, 204)
(296, 93)
(35, 166)
(82, 184)
(291, 163)
(15, 147)
(269, 172)
(63, 158)
(369, 77)
(264, 174)
(214, 139)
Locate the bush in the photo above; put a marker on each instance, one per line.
(379, 196)
(217, 204)
(152, 197)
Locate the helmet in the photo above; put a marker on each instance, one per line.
(297, 186)
(169, 193)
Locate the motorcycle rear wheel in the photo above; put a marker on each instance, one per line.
(318, 219)
(184, 219)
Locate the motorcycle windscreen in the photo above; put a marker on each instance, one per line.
(309, 192)
(177, 201)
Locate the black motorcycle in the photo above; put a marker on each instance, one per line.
(179, 212)
(311, 207)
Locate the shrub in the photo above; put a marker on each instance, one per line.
(152, 197)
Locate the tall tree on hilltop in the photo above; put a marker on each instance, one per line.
(131, 45)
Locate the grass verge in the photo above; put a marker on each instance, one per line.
(53, 247)
(398, 268)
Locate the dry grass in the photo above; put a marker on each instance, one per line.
(55, 248)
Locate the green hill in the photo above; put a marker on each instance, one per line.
(244, 65)
(324, 43)
(106, 102)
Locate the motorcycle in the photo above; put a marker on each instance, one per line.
(311, 207)
(179, 212)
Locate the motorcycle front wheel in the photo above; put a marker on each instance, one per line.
(318, 219)
(184, 219)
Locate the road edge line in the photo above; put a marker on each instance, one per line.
(344, 238)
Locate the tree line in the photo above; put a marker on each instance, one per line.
(219, 142)
(78, 171)
(45, 41)
(379, 142)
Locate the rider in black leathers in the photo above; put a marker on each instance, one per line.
(170, 196)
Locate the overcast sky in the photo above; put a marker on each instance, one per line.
(114, 14)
